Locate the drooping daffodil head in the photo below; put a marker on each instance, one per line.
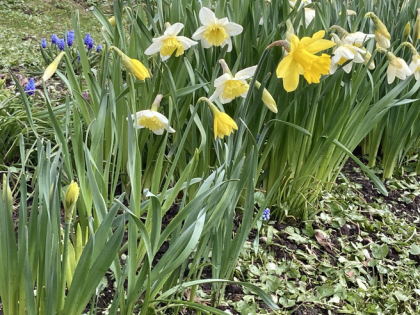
(152, 119)
(223, 124)
(228, 87)
(215, 32)
(170, 43)
(397, 68)
(357, 39)
(382, 35)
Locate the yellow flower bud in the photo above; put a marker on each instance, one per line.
(7, 193)
(52, 67)
(267, 98)
(112, 21)
(70, 199)
(406, 32)
(133, 65)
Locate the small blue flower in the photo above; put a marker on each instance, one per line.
(61, 43)
(98, 48)
(70, 37)
(44, 43)
(88, 41)
(30, 87)
(54, 39)
(266, 214)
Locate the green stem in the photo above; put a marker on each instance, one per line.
(62, 289)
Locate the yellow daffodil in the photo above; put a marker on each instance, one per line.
(301, 59)
(52, 68)
(228, 87)
(111, 21)
(152, 119)
(133, 65)
(344, 53)
(382, 35)
(169, 42)
(215, 32)
(223, 124)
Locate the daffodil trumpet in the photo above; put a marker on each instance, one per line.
(52, 68)
(133, 65)
(223, 124)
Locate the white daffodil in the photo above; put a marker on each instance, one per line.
(215, 32)
(169, 42)
(152, 119)
(228, 87)
(292, 3)
(357, 39)
(397, 68)
(415, 65)
(344, 53)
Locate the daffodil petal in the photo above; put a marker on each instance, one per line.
(233, 29)
(186, 42)
(207, 16)
(246, 73)
(153, 48)
(199, 33)
(319, 45)
(174, 29)
(291, 82)
(284, 66)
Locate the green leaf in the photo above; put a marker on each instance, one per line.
(378, 251)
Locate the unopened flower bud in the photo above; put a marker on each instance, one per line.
(267, 98)
(416, 31)
(406, 32)
(7, 192)
(70, 199)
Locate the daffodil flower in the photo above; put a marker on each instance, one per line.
(397, 68)
(52, 68)
(152, 119)
(344, 53)
(133, 65)
(309, 12)
(169, 42)
(215, 32)
(228, 87)
(223, 124)
(357, 39)
(415, 60)
(301, 59)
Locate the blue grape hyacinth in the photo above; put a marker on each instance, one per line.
(98, 48)
(70, 38)
(88, 41)
(30, 87)
(266, 214)
(44, 43)
(61, 43)
(54, 39)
